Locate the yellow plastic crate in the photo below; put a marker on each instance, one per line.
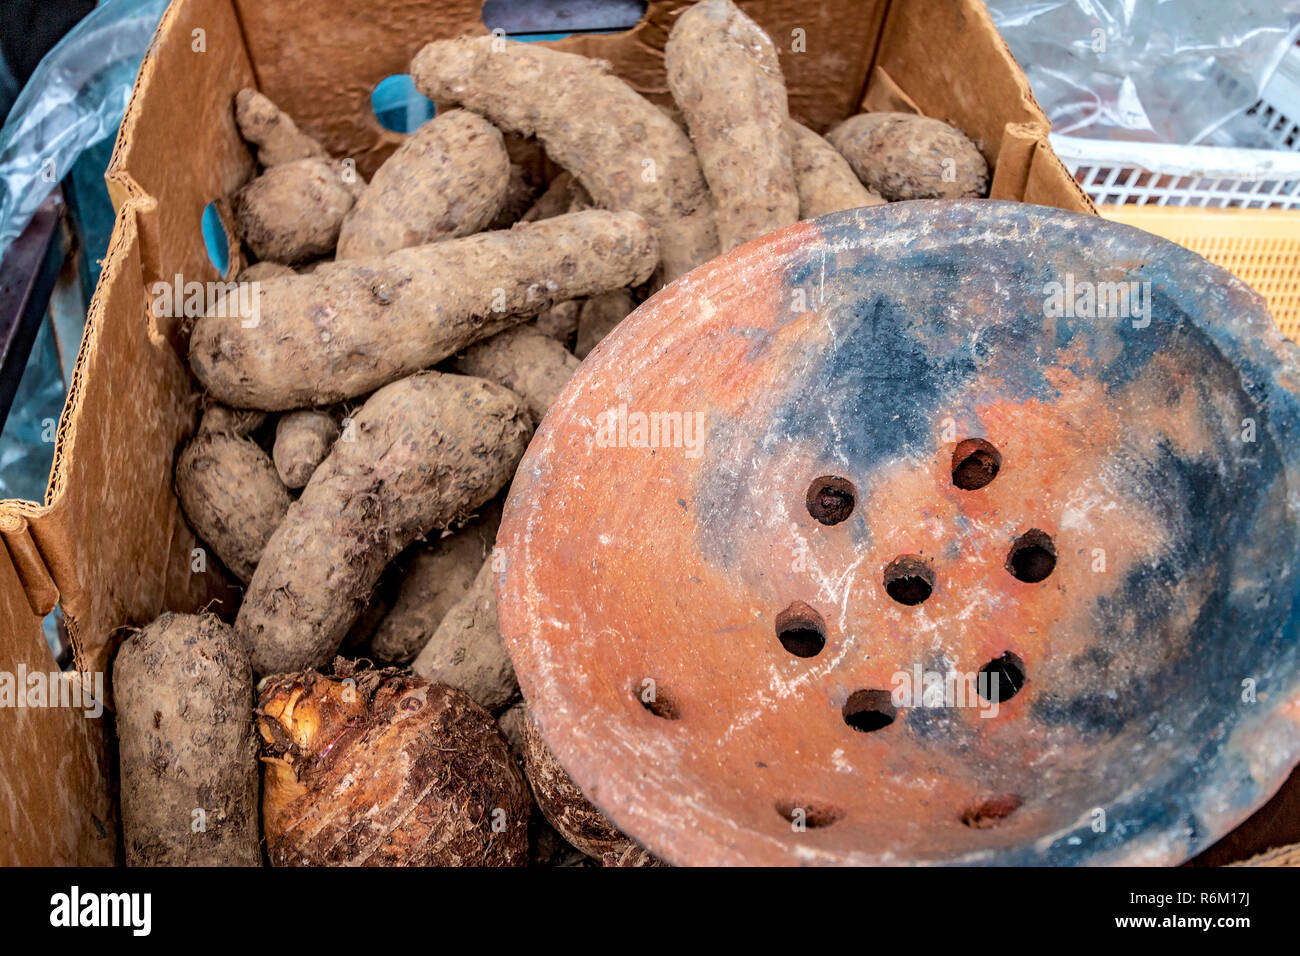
(1259, 246)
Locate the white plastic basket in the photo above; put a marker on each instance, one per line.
(1116, 172)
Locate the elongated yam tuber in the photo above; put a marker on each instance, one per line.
(356, 326)
(627, 153)
(521, 192)
(292, 212)
(564, 194)
(466, 650)
(903, 156)
(260, 271)
(825, 180)
(724, 74)
(232, 421)
(272, 131)
(438, 576)
(562, 803)
(532, 365)
(599, 315)
(302, 440)
(187, 750)
(231, 496)
(447, 180)
(428, 450)
(560, 321)
(378, 768)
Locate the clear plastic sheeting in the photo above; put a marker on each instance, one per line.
(1172, 71)
(75, 98)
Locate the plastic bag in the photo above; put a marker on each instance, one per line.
(74, 99)
(1174, 71)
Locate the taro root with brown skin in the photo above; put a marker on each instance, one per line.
(428, 451)
(357, 325)
(574, 816)
(904, 156)
(617, 144)
(379, 768)
(230, 493)
(186, 747)
(724, 75)
(449, 179)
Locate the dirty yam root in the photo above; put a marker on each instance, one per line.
(531, 364)
(438, 576)
(187, 747)
(449, 179)
(466, 650)
(272, 131)
(825, 180)
(231, 496)
(428, 451)
(620, 147)
(293, 212)
(903, 156)
(302, 440)
(724, 75)
(386, 770)
(356, 326)
(599, 316)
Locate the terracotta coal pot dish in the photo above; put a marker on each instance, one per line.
(937, 532)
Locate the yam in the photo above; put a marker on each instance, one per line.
(521, 192)
(599, 316)
(234, 421)
(466, 650)
(448, 179)
(186, 747)
(259, 271)
(438, 576)
(272, 131)
(231, 496)
(428, 450)
(292, 212)
(903, 156)
(825, 180)
(625, 151)
(724, 75)
(532, 365)
(378, 768)
(560, 321)
(564, 194)
(302, 440)
(313, 340)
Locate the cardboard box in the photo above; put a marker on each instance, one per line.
(109, 543)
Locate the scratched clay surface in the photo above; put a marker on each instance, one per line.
(1156, 453)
